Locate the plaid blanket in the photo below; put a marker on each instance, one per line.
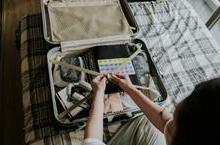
(180, 45)
(39, 121)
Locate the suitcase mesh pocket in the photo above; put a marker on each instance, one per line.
(69, 22)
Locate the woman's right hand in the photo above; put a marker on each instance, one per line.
(123, 81)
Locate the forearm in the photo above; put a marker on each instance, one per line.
(94, 127)
(155, 113)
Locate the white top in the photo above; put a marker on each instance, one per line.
(92, 141)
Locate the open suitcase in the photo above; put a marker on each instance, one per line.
(60, 20)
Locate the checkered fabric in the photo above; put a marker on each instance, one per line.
(180, 45)
(39, 122)
(37, 104)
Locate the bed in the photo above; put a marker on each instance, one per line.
(182, 48)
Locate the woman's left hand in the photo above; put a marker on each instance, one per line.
(94, 127)
(99, 84)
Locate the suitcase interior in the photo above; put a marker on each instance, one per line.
(110, 117)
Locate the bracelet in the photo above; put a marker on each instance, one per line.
(161, 112)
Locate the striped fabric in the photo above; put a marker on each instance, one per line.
(180, 45)
(39, 121)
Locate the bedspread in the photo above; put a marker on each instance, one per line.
(180, 45)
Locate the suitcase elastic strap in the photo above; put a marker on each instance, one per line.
(95, 73)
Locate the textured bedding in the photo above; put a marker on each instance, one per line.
(182, 49)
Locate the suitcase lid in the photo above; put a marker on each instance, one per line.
(53, 21)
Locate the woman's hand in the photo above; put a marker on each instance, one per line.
(123, 81)
(99, 84)
(94, 127)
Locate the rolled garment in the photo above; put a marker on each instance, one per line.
(127, 101)
(139, 131)
(87, 20)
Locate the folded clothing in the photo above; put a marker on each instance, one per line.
(113, 103)
(127, 101)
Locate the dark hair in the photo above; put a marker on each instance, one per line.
(198, 118)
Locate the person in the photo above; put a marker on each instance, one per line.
(195, 121)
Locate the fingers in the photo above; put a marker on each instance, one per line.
(121, 80)
(103, 79)
(99, 84)
(115, 78)
(121, 76)
(98, 78)
(127, 78)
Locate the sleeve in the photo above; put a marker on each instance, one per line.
(92, 141)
